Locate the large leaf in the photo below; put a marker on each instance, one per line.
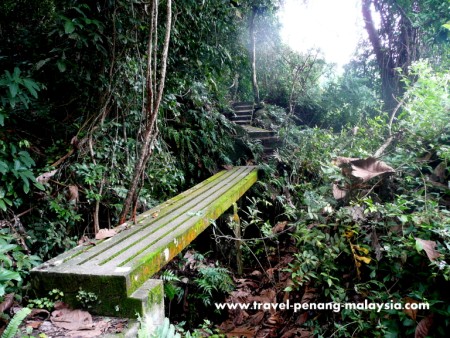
(369, 168)
(364, 169)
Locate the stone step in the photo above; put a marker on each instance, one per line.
(249, 109)
(243, 122)
(272, 141)
(237, 104)
(243, 112)
(268, 150)
(241, 117)
(255, 132)
(243, 107)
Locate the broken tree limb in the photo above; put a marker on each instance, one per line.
(387, 143)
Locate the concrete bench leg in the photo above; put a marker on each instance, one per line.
(151, 294)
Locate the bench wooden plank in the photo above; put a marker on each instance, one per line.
(118, 269)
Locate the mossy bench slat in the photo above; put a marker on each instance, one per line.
(118, 269)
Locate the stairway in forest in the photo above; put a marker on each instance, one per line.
(243, 116)
(243, 113)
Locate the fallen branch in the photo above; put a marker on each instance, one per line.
(394, 112)
(387, 143)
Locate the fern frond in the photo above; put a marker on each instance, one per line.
(14, 324)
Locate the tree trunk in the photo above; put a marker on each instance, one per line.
(395, 46)
(150, 110)
(384, 61)
(256, 99)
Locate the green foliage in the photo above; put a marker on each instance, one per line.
(425, 113)
(213, 279)
(14, 88)
(16, 169)
(14, 324)
(166, 330)
(55, 230)
(15, 264)
(198, 132)
(86, 299)
(348, 100)
(16, 164)
(371, 247)
(171, 289)
(46, 302)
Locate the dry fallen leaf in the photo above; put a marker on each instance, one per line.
(279, 227)
(45, 177)
(369, 168)
(34, 324)
(72, 320)
(428, 247)
(309, 295)
(39, 314)
(440, 170)
(98, 331)
(338, 193)
(424, 327)
(105, 233)
(339, 161)
(297, 333)
(73, 194)
(242, 332)
(411, 313)
(8, 301)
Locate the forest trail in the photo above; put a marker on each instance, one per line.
(243, 113)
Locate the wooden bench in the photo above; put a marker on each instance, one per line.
(118, 269)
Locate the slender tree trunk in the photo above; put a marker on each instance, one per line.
(253, 57)
(154, 94)
(384, 61)
(395, 46)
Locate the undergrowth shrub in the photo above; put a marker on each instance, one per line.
(372, 246)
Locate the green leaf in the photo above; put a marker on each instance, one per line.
(18, 165)
(26, 185)
(26, 158)
(8, 275)
(38, 185)
(7, 247)
(41, 63)
(13, 89)
(419, 246)
(61, 66)
(6, 261)
(2, 120)
(69, 27)
(31, 86)
(3, 167)
(2, 205)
